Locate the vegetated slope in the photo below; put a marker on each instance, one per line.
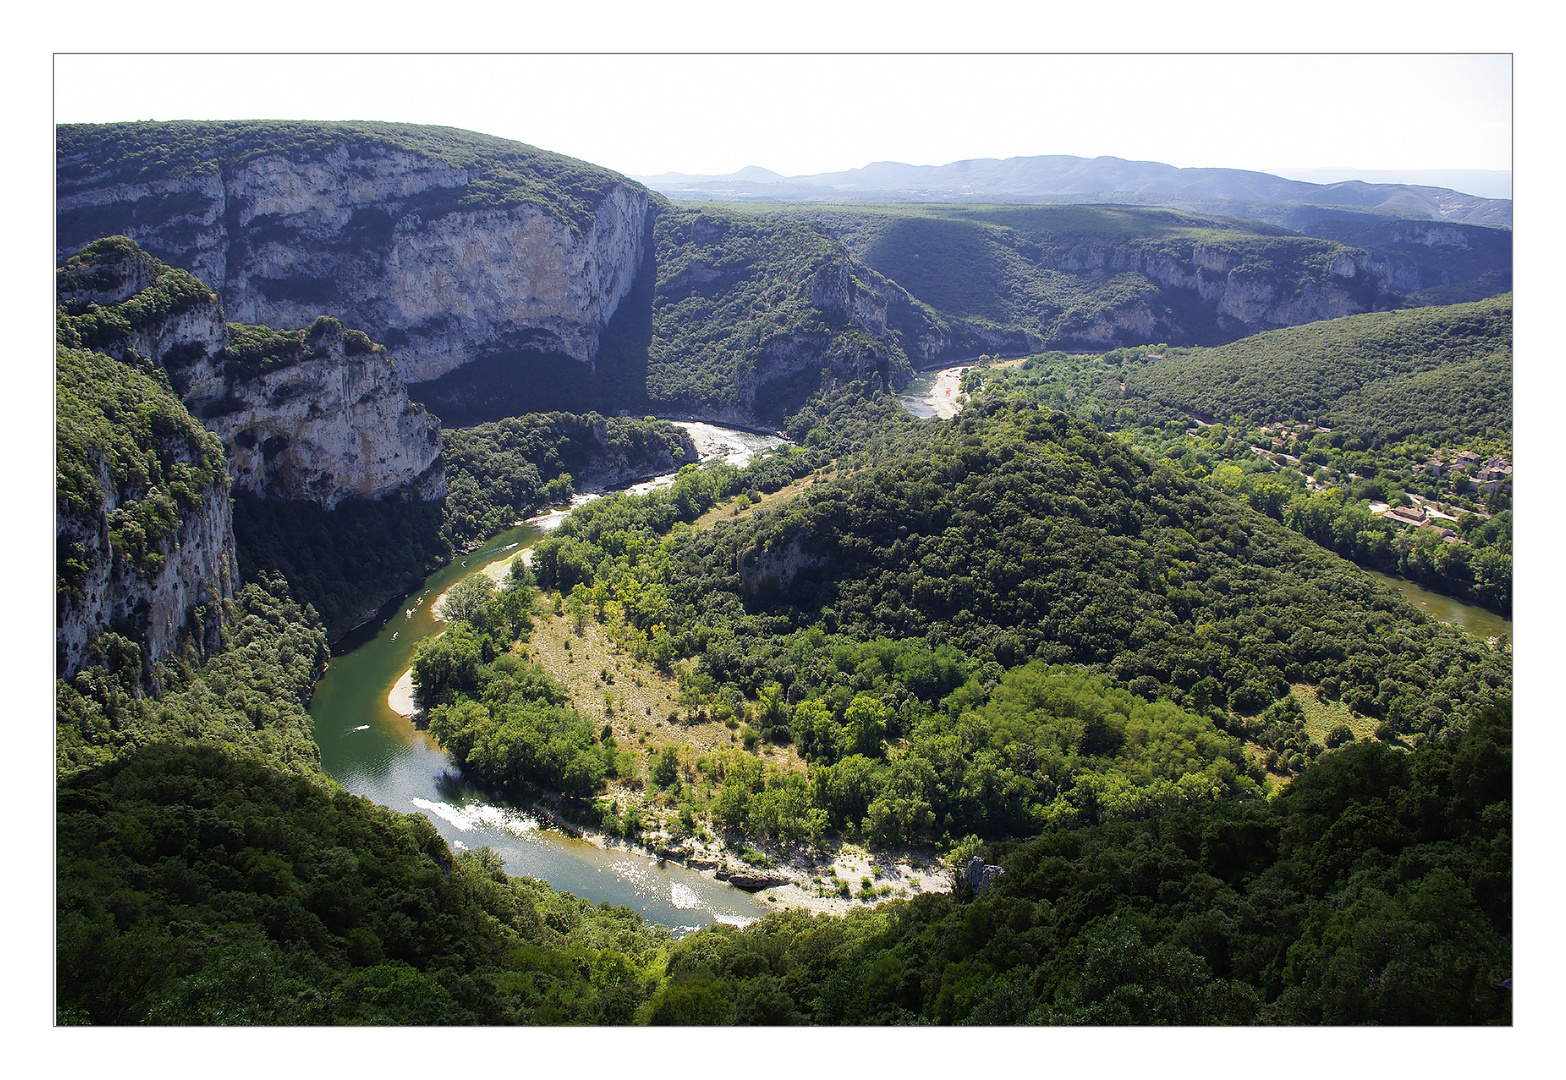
(1018, 534)
(207, 872)
(143, 538)
(1019, 278)
(1443, 372)
(752, 313)
(200, 886)
(1376, 890)
(203, 884)
(497, 471)
(1397, 395)
(248, 692)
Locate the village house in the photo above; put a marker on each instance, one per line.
(1497, 468)
(1408, 515)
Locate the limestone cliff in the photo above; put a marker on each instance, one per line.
(319, 415)
(1015, 279)
(328, 421)
(144, 539)
(447, 246)
(1239, 294)
(504, 279)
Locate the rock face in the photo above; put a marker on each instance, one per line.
(334, 424)
(1243, 301)
(318, 415)
(772, 570)
(321, 419)
(379, 236)
(980, 875)
(752, 882)
(144, 538)
(199, 567)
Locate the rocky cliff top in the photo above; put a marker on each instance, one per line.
(449, 246)
(482, 172)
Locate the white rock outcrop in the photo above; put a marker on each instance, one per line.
(333, 422)
(373, 235)
(334, 425)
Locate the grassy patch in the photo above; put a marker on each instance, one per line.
(742, 506)
(1322, 716)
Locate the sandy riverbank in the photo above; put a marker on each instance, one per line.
(813, 881)
(401, 700)
(946, 395)
(495, 571)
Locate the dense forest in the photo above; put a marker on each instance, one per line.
(742, 300)
(496, 473)
(1017, 534)
(1376, 890)
(1441, 372)
(1315, 423)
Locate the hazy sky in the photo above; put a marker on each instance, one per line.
(805, 114)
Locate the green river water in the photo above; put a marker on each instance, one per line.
(374, 752)
(1475, 620)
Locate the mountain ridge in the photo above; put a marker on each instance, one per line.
(1062, 177)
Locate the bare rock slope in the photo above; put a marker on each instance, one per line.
(447, 246)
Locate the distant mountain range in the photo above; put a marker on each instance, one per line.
(1293, 204)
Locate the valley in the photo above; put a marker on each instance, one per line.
(808, 612)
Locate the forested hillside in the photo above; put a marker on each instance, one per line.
(1375, 891)
(1013, 279)
(751, 311)
(284, 900)
(1017, 534)
(1439, 372)
(1312, 424)
(207, 872)
(498, 472)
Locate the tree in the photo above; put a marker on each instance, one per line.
(467, 601)
(772, 711)
(866, 719)
(1339, 736)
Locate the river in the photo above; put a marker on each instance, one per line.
(374, 752)
(1476, 620)
(934, 393)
